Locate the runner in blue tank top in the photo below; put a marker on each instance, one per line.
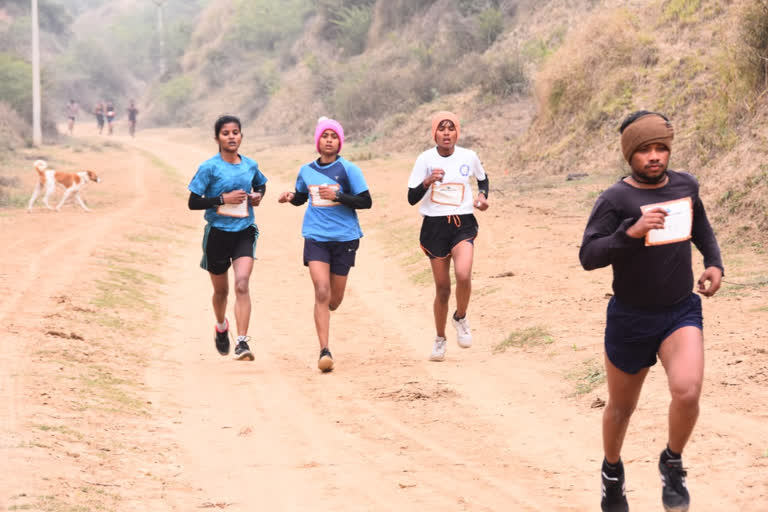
(228, 186)
(335, 189)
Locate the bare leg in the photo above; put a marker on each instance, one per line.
(338, 286)
(441, 274)
(463, 254)
(623, 393)
(220, 291)
(682, 355)
(320, 273)
(243, 267)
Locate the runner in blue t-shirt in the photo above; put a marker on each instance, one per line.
(228, 186)
(335, 189)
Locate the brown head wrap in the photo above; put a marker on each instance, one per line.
(441, 116)
(645, 130)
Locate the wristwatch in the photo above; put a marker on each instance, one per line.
(221, 199)
(338, 195)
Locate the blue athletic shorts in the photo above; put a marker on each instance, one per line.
(633, 335)
(339, 255)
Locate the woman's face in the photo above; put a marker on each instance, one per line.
(229, 138)
(446, 135)
(329, 143)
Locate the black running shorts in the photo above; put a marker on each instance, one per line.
(441, 234)
(221, 247)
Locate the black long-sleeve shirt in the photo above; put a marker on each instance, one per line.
(647, 276)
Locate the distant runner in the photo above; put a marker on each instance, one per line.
(335, 188)
(72, 110)
(441, 181)
(227, 187)
(132, 113)
(98, 111)
(110, 111)
(643, 226)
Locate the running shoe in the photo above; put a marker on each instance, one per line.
(614, 495)
(674, 492)
(463, 334)
(325, 363)
(438, 350)
(242, 350)
(222, 339)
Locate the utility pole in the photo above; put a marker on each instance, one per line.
(37, 132)
(161, 35)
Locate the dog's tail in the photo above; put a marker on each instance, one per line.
(40, 167)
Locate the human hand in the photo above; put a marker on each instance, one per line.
(235, 196)
(255, 198)
(481, 203)
(327, 192)
(437, 174)
(651, 219)
(713, 276)
(285, 197)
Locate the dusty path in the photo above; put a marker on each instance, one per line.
(143, 414)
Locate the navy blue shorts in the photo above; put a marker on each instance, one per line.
(441, 234)
(633, 335)
(339, 255)
(221, 247)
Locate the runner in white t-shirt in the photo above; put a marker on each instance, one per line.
(440, 180)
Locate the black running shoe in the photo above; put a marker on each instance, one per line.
(325, 363)
(614, 496)
(674, 492)
(222, 340)
(242, 351)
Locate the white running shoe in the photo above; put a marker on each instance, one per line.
(438, 351)
(463, 334)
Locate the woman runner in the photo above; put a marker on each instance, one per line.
(335, 188)
(228, 186)
(440, 180)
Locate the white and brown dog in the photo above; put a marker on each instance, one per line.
(72, 182)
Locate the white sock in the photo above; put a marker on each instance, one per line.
(222, 326)
(242, 338)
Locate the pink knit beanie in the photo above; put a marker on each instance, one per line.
(328, 124)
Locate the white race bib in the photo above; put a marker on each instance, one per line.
(451, 194)
(314, 191)
(678, 224)
(233, 210)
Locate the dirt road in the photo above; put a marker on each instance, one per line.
(115, 399)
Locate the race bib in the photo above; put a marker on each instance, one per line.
(451, 194)
(233, 210)
(678, 224)
(314, 191)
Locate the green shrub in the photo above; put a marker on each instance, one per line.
(265, 24)
(352, 24)
(680, 11)
(173, 95)
(15, 83)
(504, 76)
(490, 25)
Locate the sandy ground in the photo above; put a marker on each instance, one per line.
(113, 397)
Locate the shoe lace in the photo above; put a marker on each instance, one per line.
(677, 474)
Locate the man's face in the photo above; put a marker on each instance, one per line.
(649, 162)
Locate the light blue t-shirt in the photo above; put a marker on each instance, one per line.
(215, 177)
(329, 221)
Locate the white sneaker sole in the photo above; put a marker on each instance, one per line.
(437, 358)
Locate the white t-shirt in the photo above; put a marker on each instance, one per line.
(452, 196)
